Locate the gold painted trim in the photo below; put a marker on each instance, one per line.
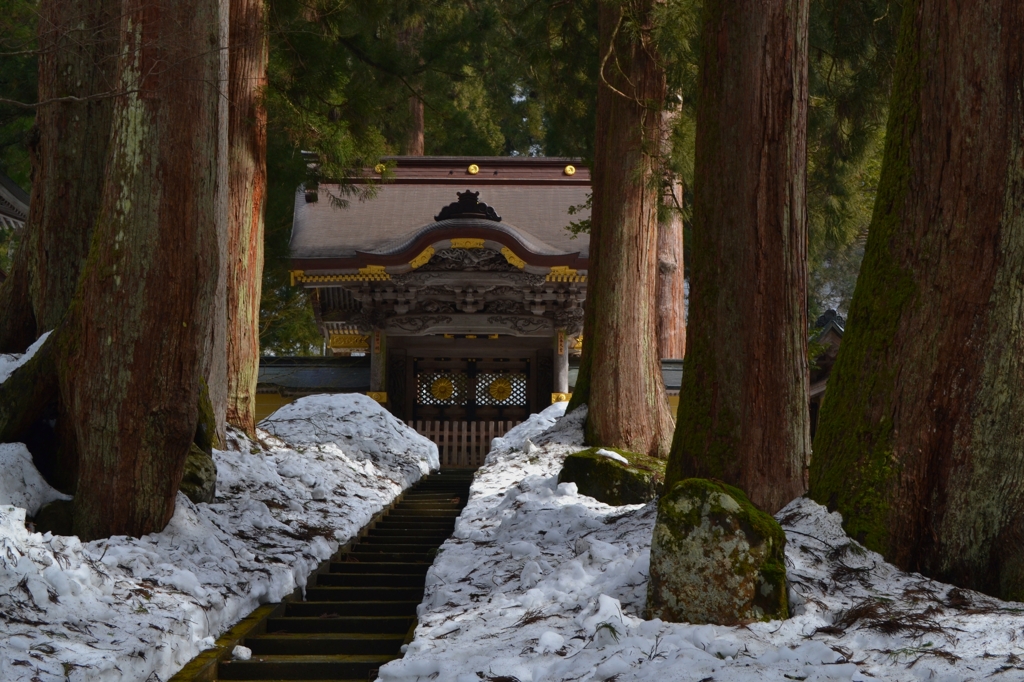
(422, 259)
(350, 342)
(371, 273)
(512, 258)
(380, 396)
(563, 273)
(467, 243)
(560, 397)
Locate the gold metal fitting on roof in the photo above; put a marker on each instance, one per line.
(570, 170)
(422, 259)
(380, 168)
(512, 258)
(467, 243)
(473, 169)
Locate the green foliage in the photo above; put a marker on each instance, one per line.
(852, 53)
(17, 82)
(18, 74)
(544, 55)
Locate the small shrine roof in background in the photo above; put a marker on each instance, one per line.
(532, 195)
(13, 204)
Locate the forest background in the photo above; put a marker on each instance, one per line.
(499, 77)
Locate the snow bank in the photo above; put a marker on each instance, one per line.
(140, 608)
(12, 361)
(358, 423)
(21, 484)
(540, 583)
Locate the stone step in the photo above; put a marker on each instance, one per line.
(393, 552)
(370, 580)
(315, 644)
(396, 531)
(338, 609)
(409, 538)
(419, 568)
(324, 667)
(363, 593)
(367, 624)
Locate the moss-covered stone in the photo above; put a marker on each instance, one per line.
(206, 427)
(613, 482)
(715, 558)
(199, 482)
(57, 517)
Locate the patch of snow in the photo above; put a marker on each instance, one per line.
(140, 608)
(12, 361)
(539, 583)
(21, 484)
(356, 423)
(612, 455)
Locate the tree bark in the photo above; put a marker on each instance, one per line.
(248, 188)
(17, 323)
(671, 273)
(414, 144)
(132, 345)
(920, 443)
(77, 43)
(625, 393)
(743, 410)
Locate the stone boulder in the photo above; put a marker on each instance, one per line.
(199, 482)
(715, 558)
(613, 476)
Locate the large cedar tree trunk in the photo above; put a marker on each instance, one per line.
(920, 444)
(77, 46)
(743, 411)
(622, 382)
(671, 273)
(131, 349)
(248, 190)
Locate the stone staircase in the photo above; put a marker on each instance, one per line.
(356, 617)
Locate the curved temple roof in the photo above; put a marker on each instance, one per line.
(532, 196)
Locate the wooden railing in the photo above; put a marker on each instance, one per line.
(462, 444)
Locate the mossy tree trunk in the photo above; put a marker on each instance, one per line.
(248, 189)
(743, 410)
(131, 349)
(77, 43)
(920, 442)
(622, 373)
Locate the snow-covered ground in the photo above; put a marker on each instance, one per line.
(538, 583)
(139, 609)
(542, 584)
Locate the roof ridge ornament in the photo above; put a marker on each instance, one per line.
(468, 206)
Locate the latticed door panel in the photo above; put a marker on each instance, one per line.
(442, 389)
(501, 389)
